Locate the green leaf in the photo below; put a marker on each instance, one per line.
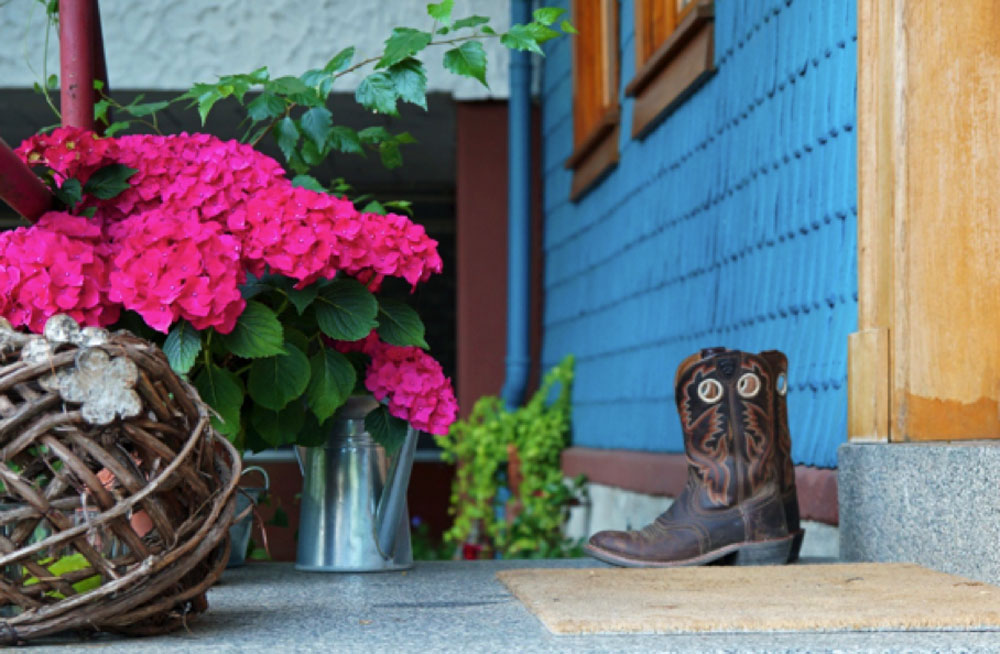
(287, 134)
(346, 310)
(489, 30)
(182, 346)
(441, 11)
(309, 182)
(374, 207)
(109, 181)
(206, 102)
(541, 33)
(567, 27)
(314, 78)
(222, 390)
(311, 154)
(276, 381)
(116, 127)
(377, 93)
(53, 82)
(277, 427)
(259, 76)
(410, 80)
(468, 60)
(387, 430)
(399, 324)
(316, 123)
(547, 15)
(257, 334)
(89, 212)
(70, 193)
(264, 106)
(340, 60)
(375, 134)
(140, 110)
(345, 139)
(520, 38)
(301, 298)
(471, 21)
(405, 41)
(287, 85)
(404, 206)
(390, 155)
(330, 384)
(101, 111)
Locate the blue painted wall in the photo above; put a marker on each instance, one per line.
(733, 223)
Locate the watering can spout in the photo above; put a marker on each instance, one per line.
(392, 503)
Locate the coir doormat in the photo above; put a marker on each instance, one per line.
(836, 597)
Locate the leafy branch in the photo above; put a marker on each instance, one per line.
(294, 109)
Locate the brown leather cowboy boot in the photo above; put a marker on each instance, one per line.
(786, 470)
(732, 504)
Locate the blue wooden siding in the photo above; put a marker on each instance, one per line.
(733, 223)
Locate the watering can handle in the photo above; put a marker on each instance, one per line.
(298, 457)
(267, 479)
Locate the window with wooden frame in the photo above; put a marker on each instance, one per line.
(595, 92)
(674, 54)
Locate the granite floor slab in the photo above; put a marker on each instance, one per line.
(445, 607)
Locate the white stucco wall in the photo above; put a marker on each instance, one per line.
(169, 44)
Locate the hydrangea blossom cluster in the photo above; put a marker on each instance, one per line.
(192, 172)
(229, 196)
(69, 152)
(307, 235)
(173, 265)
(58, 265)
(411, 380)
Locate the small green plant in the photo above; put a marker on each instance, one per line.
(540, 501)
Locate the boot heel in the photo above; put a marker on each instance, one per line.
(772, 552)
(793, 556)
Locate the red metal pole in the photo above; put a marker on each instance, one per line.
(78, 29)
(21, 188)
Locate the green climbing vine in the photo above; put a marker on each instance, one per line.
(481, 445)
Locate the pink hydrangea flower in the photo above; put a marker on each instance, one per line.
(192, 172)
(70, 152)
(58, 265)
(411, 380)
(299, 233)
(172, 265)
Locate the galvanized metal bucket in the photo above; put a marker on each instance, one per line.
(353, 516)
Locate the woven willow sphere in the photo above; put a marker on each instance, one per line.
(117, 494)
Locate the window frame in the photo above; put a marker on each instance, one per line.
(668, 72)
(595, 146)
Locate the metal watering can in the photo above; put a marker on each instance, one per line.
(353, 516)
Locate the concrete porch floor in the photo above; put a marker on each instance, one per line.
(447, 607)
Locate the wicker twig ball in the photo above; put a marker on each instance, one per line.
(117, 494)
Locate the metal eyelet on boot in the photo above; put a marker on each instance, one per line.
(710, 391)
(782, 385)
(748, 386)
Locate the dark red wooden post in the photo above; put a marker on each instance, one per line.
(79, 26)
(21, 188)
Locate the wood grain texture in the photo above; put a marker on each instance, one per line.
(929, 236)
(868, 385)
